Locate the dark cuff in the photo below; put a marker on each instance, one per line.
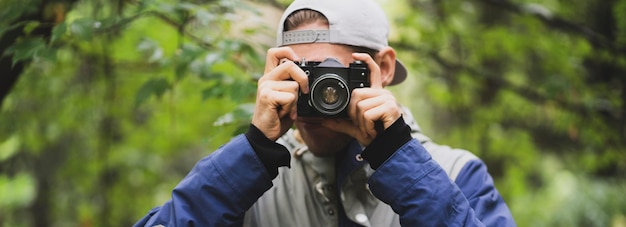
(386, 143)
(271, 154)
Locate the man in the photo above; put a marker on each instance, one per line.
(372, 167)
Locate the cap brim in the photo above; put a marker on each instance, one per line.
(400, 73)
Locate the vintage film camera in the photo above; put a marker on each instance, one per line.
(331, 85)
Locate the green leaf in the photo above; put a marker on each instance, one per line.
(17, 191)
(242, 113)
(146, 45)
(156, 87)
(242, 88)
(30, 26)
(150, 49)
(9, 147)
(186, 6)
(58, 31)
(202, 67)
(4, 28)
(48, 54)
(83, 28)
(214, 91)
(227, 67)
(26, 49)
(188, 53)
(204, 17)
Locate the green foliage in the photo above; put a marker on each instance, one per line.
(571, 200)
(116, 106)
(156, 86)
(9, 147)
(521, 82)
(28, 48)
(12, 9)
(18, 191)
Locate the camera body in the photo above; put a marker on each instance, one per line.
(331, 86)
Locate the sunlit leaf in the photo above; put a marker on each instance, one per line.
(151, 49)
(17, 191)
(228, 68)
(9, 147)
(83, 28)
(187, 6)
(242, 113)
(30, 26)
(204, 17)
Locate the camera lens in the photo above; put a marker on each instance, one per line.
(329, 94)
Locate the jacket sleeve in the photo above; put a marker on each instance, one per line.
(477, 186)
(217, 191)
(420, 191)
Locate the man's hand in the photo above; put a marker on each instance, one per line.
(368, 108)
(277, 93)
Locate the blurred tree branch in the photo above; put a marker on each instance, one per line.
(12, 71)
(559, 23)
(44, 29)
(524, 91)
(179, 25)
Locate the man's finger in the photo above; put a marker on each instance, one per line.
(288, 71)
(375, 80)
(276, 55)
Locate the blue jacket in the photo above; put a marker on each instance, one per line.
(223, 186)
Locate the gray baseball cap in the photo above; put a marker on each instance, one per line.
(351, 22)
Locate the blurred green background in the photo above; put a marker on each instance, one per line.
(106, 105)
